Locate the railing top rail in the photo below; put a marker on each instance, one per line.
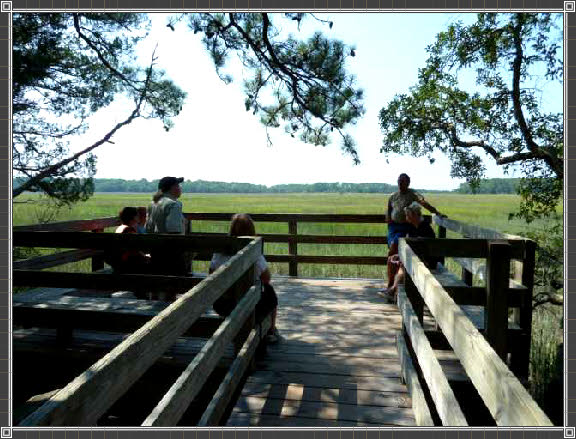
(71, 226)
(473, 231)
(299, 217)
(88, 396)
(104, 241)
(505, 397)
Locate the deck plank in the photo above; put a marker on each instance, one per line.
(337, 363)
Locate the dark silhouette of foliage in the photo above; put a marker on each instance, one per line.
(503, 118)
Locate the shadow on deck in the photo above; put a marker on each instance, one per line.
(336, 364)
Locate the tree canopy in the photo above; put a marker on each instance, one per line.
(66, 67)
(69, 65)
(510, 56)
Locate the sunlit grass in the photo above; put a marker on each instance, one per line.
(489, 211)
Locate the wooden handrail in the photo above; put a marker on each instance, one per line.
(298, 217)
(473, 231)
(116, 241)
(503, 394)
(524, 267)
(175, 402)
(71, 226)
(88, 396)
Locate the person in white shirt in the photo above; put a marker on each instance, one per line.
(242, 225)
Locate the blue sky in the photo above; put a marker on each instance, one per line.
(214, 138)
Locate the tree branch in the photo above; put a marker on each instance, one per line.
(99, 54)
(53, 169)
(555, 164)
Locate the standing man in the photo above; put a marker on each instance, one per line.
(165, 212)
(398, 227)
(165, 216)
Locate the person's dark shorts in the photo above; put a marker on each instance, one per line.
(397, 231)
(267, 303)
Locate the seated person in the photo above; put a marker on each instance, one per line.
(128, 261)
(142, 214)
(242, 225)
(421, 229)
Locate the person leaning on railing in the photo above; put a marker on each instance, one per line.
(165, 217)
(398, 226)
(242, 225)
(420, 229)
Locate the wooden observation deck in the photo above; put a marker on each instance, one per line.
(454, 351)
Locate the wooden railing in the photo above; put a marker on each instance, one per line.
(293, 238)
(480, 346)
(84, 400)
(523, 265)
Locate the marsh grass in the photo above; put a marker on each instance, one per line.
(489, 211)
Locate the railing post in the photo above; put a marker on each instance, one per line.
(442, 235)
(467, 277)
(293, 247)
(497, 284)
(524, 273)
(97, 261)
(414, 297)
(241, 287)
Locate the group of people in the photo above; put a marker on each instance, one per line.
(165, 216)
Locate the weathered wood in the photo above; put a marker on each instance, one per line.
(311, 239)
(244, 419)
(54, 260)
(70, 226)
(299, 392)
(87, 397)
(472, 231)
(299, 217)
(173, 405)
(475, 267)
(467, 248)
(358, 260)
(465, 295)
(505, 397)
(104, 281)
(40, 294)
(98, 259)
(92, 346)
(520, 358)
(325, 411)
(419, 405)
(215, 410)
(293, 248)
(497, 280)
(115, 241)
(112, 314)
(338, 381)
(444, 399)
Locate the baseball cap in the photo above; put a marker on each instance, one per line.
(166, 183)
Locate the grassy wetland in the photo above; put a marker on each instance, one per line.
(489, 211)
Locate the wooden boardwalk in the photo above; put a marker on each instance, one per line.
(336, 365)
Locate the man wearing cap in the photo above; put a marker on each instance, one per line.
(165, 213)
(165, 216)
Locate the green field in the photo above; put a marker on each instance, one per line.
(485, 210)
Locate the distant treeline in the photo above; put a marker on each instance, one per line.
(491, 186)
(201, 186)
